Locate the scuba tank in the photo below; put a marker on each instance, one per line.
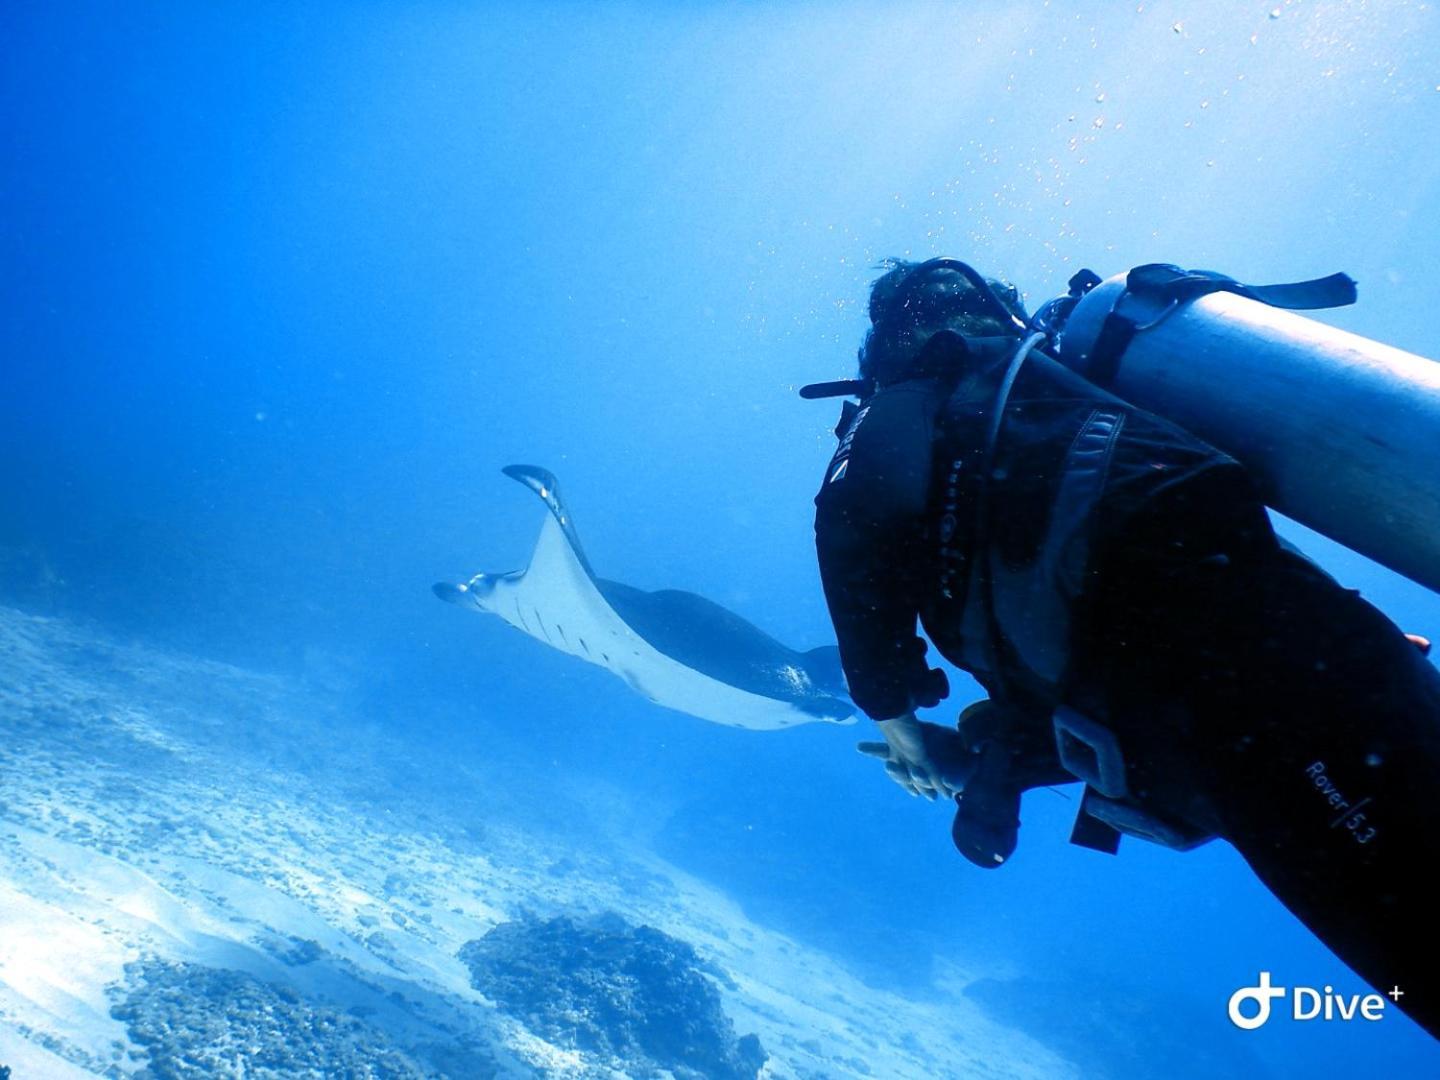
(1341, 432)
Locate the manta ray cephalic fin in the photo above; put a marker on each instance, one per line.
(543, 483)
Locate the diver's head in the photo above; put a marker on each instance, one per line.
(913, 301)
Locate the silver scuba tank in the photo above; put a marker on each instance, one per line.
(1342, 433)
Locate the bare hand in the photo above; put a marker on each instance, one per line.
(924, 759)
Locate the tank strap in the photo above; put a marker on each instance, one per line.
(1155, 290)
(1170, 283)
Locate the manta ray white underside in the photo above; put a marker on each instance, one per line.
(733, 673)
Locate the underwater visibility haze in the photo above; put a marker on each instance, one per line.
(283, 289)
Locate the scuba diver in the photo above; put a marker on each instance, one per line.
(1114, 583)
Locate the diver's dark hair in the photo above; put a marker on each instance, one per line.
(891, 343)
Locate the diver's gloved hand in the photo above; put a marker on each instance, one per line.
(924, 759)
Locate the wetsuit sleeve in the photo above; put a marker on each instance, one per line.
(870, 538)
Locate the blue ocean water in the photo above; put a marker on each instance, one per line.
(283, 287)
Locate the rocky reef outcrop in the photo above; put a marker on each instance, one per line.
(203, 1022)
(631, 995)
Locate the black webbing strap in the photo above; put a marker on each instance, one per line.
(1155, 290)
(1091, 832)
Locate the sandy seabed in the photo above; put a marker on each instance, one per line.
(205, 871)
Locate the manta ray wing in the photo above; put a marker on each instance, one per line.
(558, 600)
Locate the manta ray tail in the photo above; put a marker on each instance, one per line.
(543, 483)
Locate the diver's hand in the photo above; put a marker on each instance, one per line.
(924, 759)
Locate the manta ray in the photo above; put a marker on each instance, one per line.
(675, 648)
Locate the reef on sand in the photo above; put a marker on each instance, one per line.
(625, 993)
(197, 1021)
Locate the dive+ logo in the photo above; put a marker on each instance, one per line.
(1307, 1003)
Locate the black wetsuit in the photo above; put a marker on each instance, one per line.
(1250, 693)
